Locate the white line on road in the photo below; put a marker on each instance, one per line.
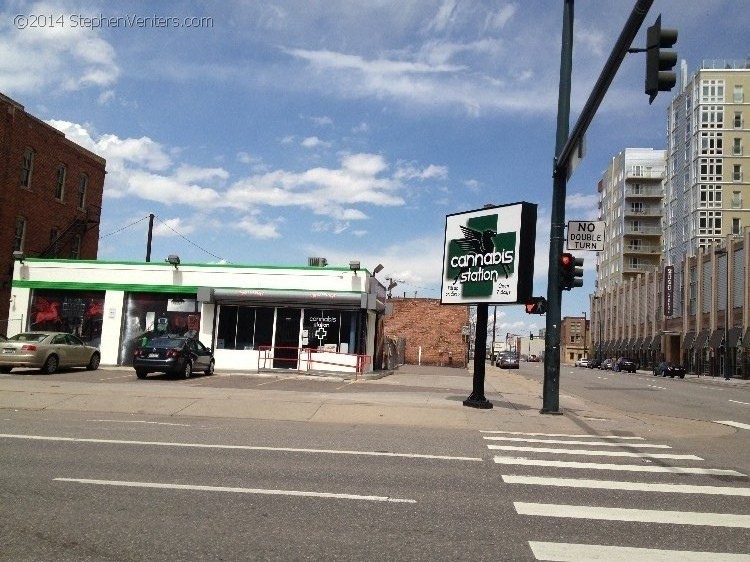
(637, 515)
(586, 435)
(141, 421)
(590, 453)
(659, 387)
(734, 424)
(117, 377)
(738, 402)
(234, 490)
(563, 442)
(629, 486)
(239, 447)
(622, 467)
(566, 552)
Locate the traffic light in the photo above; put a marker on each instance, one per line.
(536, 305)
(659, 64)
(571, 272)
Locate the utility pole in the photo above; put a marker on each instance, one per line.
(565, 146)
(150, 236)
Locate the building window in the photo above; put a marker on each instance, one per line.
(737, 172)
(736, 227)
(710, 196)
(712, 142)
(737, 147)
(27, 167)
(736, 200)
(75, 247)
(62, 171)
(83, 185)
(712, 91)
(739, 97)
(20, 234)
(737, 119)
(712, 117)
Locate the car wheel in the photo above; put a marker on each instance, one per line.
(210, 370)
(140, 373)
(51, 364)
(664, 374)
(671, 376)
(682, 376)
(94, 362)
(5, 370)
(188, 370)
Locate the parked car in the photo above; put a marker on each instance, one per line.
(606, 365)
(669, 369)
(625, 364)
(174, 355)
(507, 361)
(534, 358)
(594, 363)
(582, 363)
(47, 351)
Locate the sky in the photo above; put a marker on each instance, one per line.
(266, 132)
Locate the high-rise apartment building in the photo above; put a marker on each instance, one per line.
(707, 192)
(630, 204)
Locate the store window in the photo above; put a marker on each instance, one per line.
(244, 327)
(75, 312)
(150, 314)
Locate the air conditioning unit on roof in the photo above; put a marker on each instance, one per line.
(317, 262)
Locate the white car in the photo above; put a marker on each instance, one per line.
(582, 363)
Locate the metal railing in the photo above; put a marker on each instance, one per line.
(306, 360)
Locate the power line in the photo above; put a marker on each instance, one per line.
(190, 241)
(124, 228)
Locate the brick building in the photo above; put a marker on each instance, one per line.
(50, 195)
(432, 331)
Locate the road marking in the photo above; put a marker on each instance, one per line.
(738, 402)
(629, 486)
(566, 552)
(586, 435)
(623, 467)
(234, 490)
(141, 421)
(734, 424)
(659, 387)
(118, 377)
(587, 452)
(562, 442)
(239, 447)
(636, 515)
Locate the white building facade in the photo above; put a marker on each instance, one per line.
(253, 317)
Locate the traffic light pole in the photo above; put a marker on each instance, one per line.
(564, 146)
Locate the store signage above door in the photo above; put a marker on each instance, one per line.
(586, 235)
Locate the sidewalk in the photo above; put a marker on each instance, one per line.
(426, 397)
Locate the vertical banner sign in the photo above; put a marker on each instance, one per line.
(668, 290)
(488, 255)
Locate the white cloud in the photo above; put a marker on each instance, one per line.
(314, 142)
(256, 229)
(172, 227)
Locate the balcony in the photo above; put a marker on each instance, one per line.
(641, 229)
(639, 267)
(642, 249)
(650, 211)
(645, 174)
(641, 191)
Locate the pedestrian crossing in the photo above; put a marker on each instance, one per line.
(658, 492)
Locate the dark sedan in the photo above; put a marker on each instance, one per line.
(625, 364)
(174, 355)
(669, 369)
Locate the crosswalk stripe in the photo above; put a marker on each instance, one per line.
(629, 486)
(563, 442)
(622, 467)
(566, 552)
(734, 424)
(587, 452)
(633, 515)
(589, 436)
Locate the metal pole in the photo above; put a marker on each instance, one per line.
(150, 236)
(477, 399)
(727, 374)
(494, 327)
(585, 348)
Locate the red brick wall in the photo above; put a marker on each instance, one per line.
(434, 327)
(37, 204)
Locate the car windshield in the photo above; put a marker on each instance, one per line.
(28, 337)
(165, 342)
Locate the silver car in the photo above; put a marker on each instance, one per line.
(47, 351)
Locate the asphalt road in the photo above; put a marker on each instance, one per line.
(114, 486)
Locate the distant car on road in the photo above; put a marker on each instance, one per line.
(594, 363)
(507, 361)
(174, 355)
(582, 363)
(47, 351)
(533, 358)
(625, 364)
(607, 364)
(669, 369)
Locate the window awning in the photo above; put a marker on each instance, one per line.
(734, 336)
(316, 299)
(689, 339)
(646, 343)
(656, 342)
(700, 341)
(638, 344)
(716, 338)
